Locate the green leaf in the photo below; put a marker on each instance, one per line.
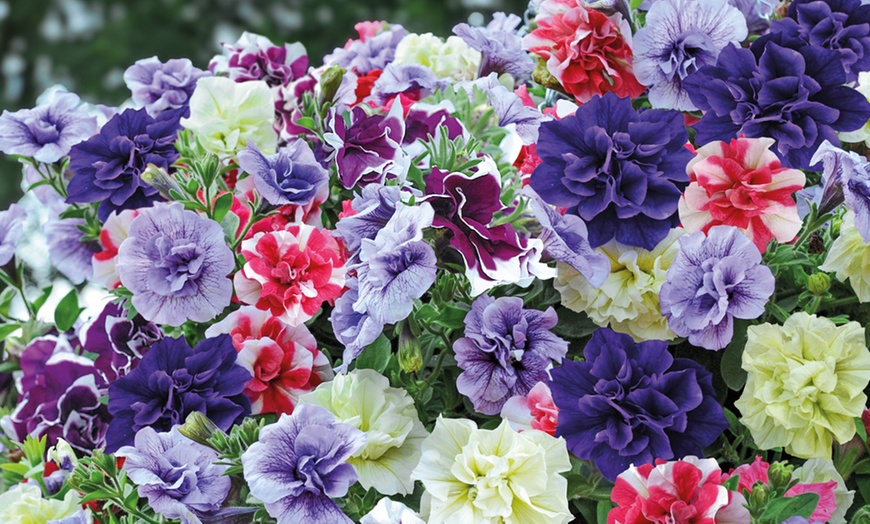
(40, 300)
(230, 225)
(307, 122)
(784, 508)
(376, 355)
(604, 508)
(222, 205)
(451, 317)
(732, 359)
(8, 329)
(67, 311)
(732, 482)
(573, 325)
(100, 494)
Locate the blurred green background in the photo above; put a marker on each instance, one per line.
(87, 44)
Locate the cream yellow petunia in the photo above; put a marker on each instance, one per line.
(849, 258)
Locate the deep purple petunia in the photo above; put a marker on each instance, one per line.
(714, 279)
(176, 263)
(299, 465)
(621, 171)
(60, 396)
(795, 96)
(172, 381)
(107, 167)
(424, 120)
(840, 25)
(631, 403)
(374, 52)
(118, 341)
(159, 86)
(501, 48)
(11, 227)
(506, 350)
(367, 149)
(291, 176)
(255, 57)
(49, 130)
(179, 477)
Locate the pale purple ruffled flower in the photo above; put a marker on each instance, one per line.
(375, 52)
(374, 207)
(11, 227)
(291, 176)
(846, 178)
(501, 49)
(566, 240)
(176, 262)
(508, 107)
(48, 131)
(179, 477)
(679, 37)
(159, 86)
(299, 465)
(81, 516)
(355, 330)
(68, 252)
(713, 280)
(756, 12)
(412, 80)
(255, 57)
(506, 350)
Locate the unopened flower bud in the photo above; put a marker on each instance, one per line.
(160, 180)
(198, 428)
(410, 355)
(330, 81)
(779, 475)
(819, 283)
(759, 496)
(63, 455)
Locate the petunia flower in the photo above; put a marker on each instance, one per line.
(254, 57)
(291, 176)
(159, 86)
(500, 47)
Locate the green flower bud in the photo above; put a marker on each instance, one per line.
(759, 496)
(330, 81)
(542, 76)
(198, 428)
(410, 355)
(819, 283)
(779, 475)
(160, 180)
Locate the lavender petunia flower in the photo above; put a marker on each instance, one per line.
(172, 381)
(60, 397)
(11, 227)
(118, 341)
(179, 477)
(506, 350)
(632, 403)
(374, 52)
(846, 178)
(501, 48)
(565, 240)
(355, 330)
(795, 96)
(412, 80)
(67, 249)
(713, 280)
(508, 107)
(107, 167)
(176, 262)
(81, 516)
(397, 266)
(48, 131)
(678, 38)
(374, 207)
(621, 171)
(291, 176)
(255, 57)
(367, 148)
(299, 465)
(159, 86)
(756, 12)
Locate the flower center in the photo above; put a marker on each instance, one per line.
(692, 50)
(43, 131)
(179, 262)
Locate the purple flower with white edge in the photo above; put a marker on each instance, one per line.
(48, 131)
(501, 48)
(412, 80)
(397, 266)
(60, 397)
(621, 171)
(375, 52)
(367, 148)
(68, 252)
(508, 107)
(299, 465)
(355, 330)
(291, 176)
(713, 280)
(846, 177)
(506, 350)
(374, 207)
(172, 381)
(118, 341)
(11, 227)
(107, 167)
(565, 240)
(159, 86)
(255, 57)
(176, 262)
(179, 477)
(679, 37)
(795, 96)
(631, 403)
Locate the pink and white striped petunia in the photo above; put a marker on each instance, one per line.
(742, 184)
(114, 231)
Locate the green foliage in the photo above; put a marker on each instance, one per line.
(232, 446)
